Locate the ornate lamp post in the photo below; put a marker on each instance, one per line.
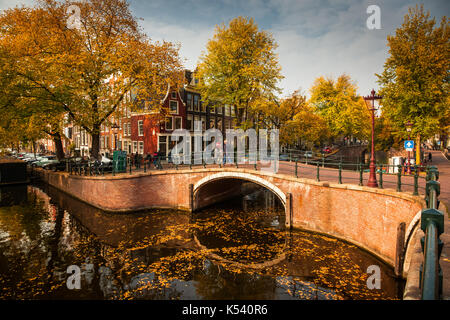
(408, 126)
(370, 103)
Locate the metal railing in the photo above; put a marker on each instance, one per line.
(319, 169)
(432, 224)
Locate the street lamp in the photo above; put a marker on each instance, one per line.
(408, 126)
(370, 103)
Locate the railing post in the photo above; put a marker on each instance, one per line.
(340, 172)
(113, 167)
(381, 178)
(399, 179)
(318, 174)
(360, 174)
(296, 169)
(416, 181)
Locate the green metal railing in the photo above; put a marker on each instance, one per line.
(432, 224)
(296, 164)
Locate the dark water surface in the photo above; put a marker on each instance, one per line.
(222, 252)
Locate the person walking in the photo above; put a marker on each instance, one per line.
(430, 157)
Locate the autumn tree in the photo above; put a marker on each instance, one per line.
(414, 83)
(342, 108)
(86, 70)
(294, 117)
(239, 68)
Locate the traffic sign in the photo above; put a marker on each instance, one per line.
(409, 145)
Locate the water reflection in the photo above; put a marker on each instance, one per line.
(238, 250)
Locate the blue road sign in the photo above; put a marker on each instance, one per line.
(409, 144)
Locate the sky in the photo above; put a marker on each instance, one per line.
(315, 37)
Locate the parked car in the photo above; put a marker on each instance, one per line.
(44, 160)
(326, 150)
(308, 154)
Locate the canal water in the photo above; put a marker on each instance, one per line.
(53, 246)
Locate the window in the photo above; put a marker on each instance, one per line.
(227, 110)
(203, 105)
(129, 128)
(203, 123)
(178, 123)
(173, 95)
(189, 124)
(141, 127)
(125, 145)
(196, 103)
(189, 101)
(232, 111)
(102, 143)
(173, 106)
(169, 123)
(135, 145)
(197, 126)
(219, 124)
(219, 110)
(141, 147)
(162, 144)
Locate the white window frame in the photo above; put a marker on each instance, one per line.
(141, 147)
(167, 122)
(140, 126)
(170, 108)
(175, 123)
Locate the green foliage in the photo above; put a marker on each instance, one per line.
(239, 67)
(415, 77)
(343, 110)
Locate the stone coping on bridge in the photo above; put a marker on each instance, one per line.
(366, 217)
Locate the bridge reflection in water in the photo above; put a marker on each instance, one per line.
(238, 249)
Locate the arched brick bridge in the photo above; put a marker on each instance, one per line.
(364, 216)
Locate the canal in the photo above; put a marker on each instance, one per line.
(53, 246)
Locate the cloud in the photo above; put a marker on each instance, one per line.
(315, 37)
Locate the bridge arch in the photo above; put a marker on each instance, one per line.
(235, 176)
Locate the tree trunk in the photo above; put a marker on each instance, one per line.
(58, 146)
(95, 145)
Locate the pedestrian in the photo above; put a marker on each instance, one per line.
(148, 158)
(430, 157)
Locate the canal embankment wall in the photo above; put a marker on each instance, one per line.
(367, 217)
